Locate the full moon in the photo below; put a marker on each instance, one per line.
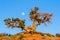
(23, 13)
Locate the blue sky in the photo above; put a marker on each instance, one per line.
(14, 8)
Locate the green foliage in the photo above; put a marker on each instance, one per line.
(40, 18)
(15, 22)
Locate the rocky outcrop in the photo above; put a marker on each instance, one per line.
(30, 36)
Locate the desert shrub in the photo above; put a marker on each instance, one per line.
(50, 35)
(57, 35)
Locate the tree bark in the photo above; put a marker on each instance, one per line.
(34, 25)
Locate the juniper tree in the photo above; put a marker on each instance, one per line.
(37, 18)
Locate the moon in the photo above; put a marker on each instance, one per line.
(23, 13)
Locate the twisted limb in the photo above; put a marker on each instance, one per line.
(41, 21)
(29, 29)
(47, 17)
